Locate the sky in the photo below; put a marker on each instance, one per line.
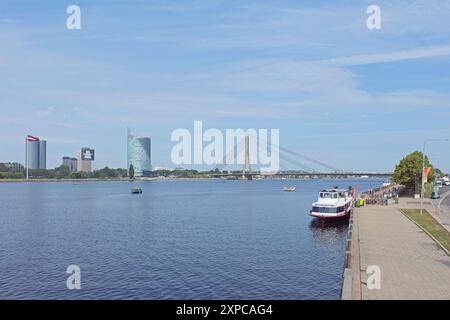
(340, 93)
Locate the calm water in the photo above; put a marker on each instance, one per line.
(178, 240)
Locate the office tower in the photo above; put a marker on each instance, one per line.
(35, 153)
(42, 154)
(66, 162)
(74, 165)
(71, 163)
(86, 160)
(139, 155)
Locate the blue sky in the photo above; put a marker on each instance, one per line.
(338, 92)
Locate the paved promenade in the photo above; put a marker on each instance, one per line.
(412, 265)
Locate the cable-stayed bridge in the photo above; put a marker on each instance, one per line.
(292, 165)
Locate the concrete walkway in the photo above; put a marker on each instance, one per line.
(412, 265)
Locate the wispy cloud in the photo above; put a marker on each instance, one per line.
(154, 65)
(416, 53)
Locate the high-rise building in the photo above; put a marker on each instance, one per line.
(42, 154)
(36, 153)
(71, 163)
(12, 166)
(86, 160)
(139, 154)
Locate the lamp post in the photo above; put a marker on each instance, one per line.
(422, 191)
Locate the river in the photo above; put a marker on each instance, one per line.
(179, 239)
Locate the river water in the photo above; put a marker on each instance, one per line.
(180, 239)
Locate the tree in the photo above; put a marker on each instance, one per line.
(122, 173)
(62, 172)
(439, 172)
(131, 172)
(409, 171)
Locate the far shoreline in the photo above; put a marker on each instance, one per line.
(85, 180)
(100, 180)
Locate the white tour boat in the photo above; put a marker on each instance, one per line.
(333, 204)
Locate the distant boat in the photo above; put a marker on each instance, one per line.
(289, 188)
(136, 190)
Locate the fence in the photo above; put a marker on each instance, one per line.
(381, 195)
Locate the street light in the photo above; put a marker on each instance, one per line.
(422, 191)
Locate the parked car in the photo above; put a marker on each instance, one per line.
(435, 195)
(447, 183)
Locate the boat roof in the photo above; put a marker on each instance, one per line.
(334, 190)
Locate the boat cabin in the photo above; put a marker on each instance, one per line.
(333, 194)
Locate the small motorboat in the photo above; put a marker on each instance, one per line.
(289, 188)
(136, 190)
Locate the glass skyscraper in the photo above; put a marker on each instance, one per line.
(139, 154)
(36, 153)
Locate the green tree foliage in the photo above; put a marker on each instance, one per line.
(106, 173)
(7, 172)
(12, 175)
(62, 172)
(409, 171)
(78, 175)
(131, 172)
(178, 173)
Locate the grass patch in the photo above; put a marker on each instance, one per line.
(430, 224)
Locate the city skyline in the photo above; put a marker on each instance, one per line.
(220, 158)
(311, 69)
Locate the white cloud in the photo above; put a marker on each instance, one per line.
(416, 53)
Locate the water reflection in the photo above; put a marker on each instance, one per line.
(324, 228)
(317, 223)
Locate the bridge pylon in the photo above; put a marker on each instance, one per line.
(247, 168)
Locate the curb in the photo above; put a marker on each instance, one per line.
(429, 234)
(347, 275)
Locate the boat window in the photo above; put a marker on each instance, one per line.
(335, 195)
(321, 195)
(324, 210)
